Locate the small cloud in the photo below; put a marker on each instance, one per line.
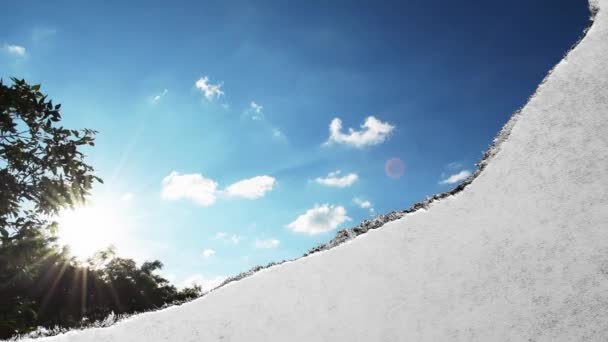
(256, 107)
(333, 179)
(267, 244)
(211, 91)
(251, 188)
(205, 283)
(127, 196)
(278, 134)
(364, 204)
(193, 186)
(256, 111)
(15, 50)
(373, 132)
(223, 236)
(157, 98)
(319, 219)
(455, 178)
(208, 253)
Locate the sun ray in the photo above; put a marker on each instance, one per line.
(53, 286)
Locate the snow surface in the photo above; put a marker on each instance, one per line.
(521, 254)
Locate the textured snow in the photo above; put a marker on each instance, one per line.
(521, 254)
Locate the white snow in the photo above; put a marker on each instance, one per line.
(521, 254)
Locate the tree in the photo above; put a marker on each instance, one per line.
(42, 169)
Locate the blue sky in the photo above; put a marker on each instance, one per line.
(214, 116)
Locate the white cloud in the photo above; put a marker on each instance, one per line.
(223, 236)
(208, 253)
(251, 188)
(373, 132)
(157, 98)
(267, 244)
(364, 204)
(319, 219)
(127, 196)
(205, 192)
(15, 50)
(211, 91)
(205, 283)
(256, 107)
(255, 110)
(193, 186)
(334, 179)
(455, 178)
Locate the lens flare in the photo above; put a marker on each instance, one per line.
(394, 168)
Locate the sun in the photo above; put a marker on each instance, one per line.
(88, 229)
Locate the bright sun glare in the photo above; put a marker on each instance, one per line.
(85, 230)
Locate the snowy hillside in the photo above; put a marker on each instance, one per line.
(521, 254)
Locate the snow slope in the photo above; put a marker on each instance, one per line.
(521, 254)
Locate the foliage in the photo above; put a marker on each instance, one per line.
(42, 170)
(41, 167)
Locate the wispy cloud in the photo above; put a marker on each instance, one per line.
(235, 239)
(455, 178)
(372, 132)
(320, 219)
(364, 204)
(15, 50)
(255, 111)
(157, 98)
(205, 192)
(335, 180)
(208, 253)
(206, 283)
(225, 237)
(251, 188)
(267, 244)
(209, 90)
(195, 187)
(454, 165)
